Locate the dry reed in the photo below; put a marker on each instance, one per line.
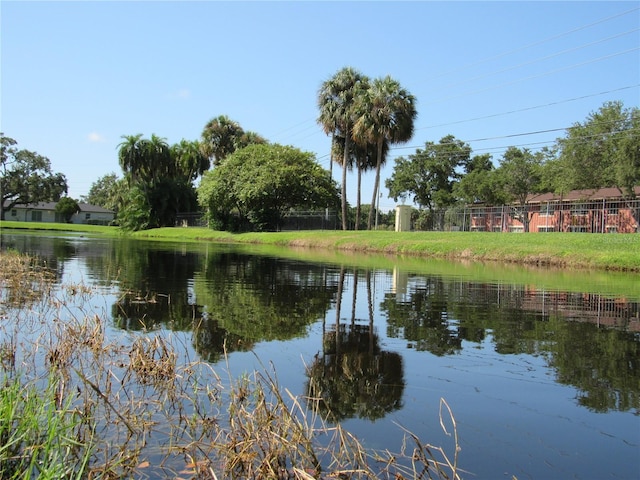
(141, 410)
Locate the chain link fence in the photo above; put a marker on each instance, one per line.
(604, 216)
(295, 220)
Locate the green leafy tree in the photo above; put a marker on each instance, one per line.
(135, 210)
(521, 174)
(261, 183)
(480, 184)
(161, 173)
(67, 207)
(386, 116)
(106, 192)
(556, 174)
(26, 177)
(429, 175)
(338, 115)
(604, 150)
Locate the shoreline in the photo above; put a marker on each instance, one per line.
(611, 252)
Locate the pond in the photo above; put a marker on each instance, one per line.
(540, 368)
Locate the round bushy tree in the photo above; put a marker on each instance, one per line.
(67, 207)
(261, 183)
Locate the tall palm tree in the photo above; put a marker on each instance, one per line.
(190, 160)
(159, 161)
(363, 158)
(130, 156)
(387, 114)
(249, 138)
(336, 101)
(145, 160)
(220, 137)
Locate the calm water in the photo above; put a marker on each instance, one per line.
(540, 368)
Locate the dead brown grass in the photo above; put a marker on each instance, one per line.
(146, 411)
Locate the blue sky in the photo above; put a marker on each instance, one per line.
(76, 76)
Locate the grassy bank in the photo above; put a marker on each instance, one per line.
(595, 251)
(616, 252)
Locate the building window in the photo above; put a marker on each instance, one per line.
(36, 216)
(14, 212)
(579, 210)
(87, 216)
(546, 229)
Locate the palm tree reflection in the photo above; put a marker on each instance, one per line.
(354, 377)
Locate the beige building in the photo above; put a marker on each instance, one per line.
(46, 212)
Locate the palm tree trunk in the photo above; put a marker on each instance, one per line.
(338, 307)
(345, 161)
(354, 300)
(331, 156)
(358, 202)
(376, 184)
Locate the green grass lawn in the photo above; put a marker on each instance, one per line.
(610, 251)
(576, 250)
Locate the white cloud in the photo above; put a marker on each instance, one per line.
(95, 137)
(180, 94)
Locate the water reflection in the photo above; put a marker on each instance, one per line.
(354, 377)
(231, 301)
(263, 298)
(437, 315)
(521, 361)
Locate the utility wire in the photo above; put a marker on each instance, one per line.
(548, 39)
(479, 77)
(326, 156)
(534, 44)
(544, 74)
(530, 108)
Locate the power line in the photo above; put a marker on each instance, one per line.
(502, 137)
(533, 107)
(534, 44)
(550, 104)
(538, 132)
(472, 79)
(544, 74)
(605, 57)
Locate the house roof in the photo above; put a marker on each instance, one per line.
(88, 208)
(51, 206)
(591, 194)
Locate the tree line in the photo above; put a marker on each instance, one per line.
(602, 151)
(248, 183)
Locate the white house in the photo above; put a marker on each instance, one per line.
(46, 212)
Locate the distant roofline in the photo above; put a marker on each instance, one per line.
(84, 207)
(607, 193)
